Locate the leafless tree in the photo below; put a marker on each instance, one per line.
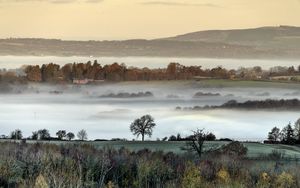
(196, 144)
(82, 135)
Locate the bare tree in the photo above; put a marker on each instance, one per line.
(82, 135)
(105, 167)
(143, 126)
(196, 143)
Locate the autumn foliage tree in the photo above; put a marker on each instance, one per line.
(33, 73)
(117, 72)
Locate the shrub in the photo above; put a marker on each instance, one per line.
(40, 182)
(191, 177)
(264, 181)
(234, 149)
(223, 176)
(285, 180)
(83, 165)
(208, 170)
(110, 184)
(154, 173)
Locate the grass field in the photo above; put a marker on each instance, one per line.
(221, 83)
(246, 83)
(254, 149)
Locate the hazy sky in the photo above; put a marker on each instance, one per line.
(125, 19)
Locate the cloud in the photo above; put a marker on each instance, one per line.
(93, 1)
(165, 3)
(52, 1)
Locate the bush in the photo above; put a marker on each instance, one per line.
(208, 170)
(234, 149)
(40, 182)
(191, 177)
(83, 165)
(285, 180)
(153, 173)
(264, 181)
(223, 176)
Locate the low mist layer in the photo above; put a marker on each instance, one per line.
(72, 107)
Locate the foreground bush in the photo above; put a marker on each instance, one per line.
(84, 166)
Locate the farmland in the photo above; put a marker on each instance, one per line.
(254, 149)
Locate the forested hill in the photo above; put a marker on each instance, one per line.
(259, 43)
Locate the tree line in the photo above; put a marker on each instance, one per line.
(44, 134)
(116, 72)
(54, 73)
(142, 126)
(289, 134)
(282, 104)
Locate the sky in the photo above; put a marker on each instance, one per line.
(131, 19)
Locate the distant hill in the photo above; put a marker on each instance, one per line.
(264, 42)
(285, 38)
(243, 36)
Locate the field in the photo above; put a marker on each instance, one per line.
(254, 149)
(249, 83)
(220, 83)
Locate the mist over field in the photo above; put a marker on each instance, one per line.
(106, 110)
(73, 107)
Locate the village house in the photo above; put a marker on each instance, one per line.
(85, 81)
(82, 81)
